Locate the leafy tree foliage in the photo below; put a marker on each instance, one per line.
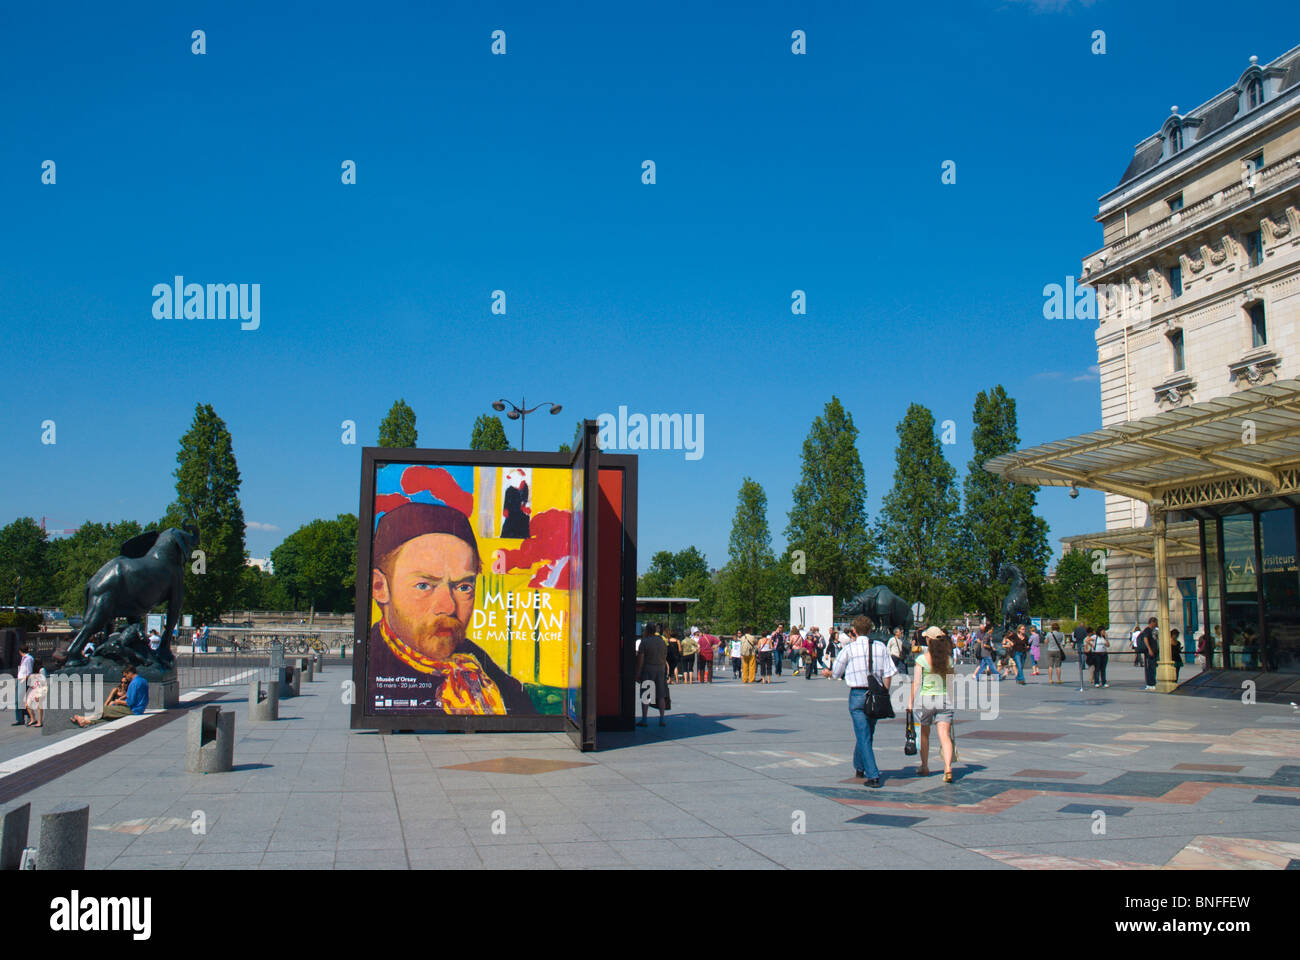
(488, 433)
(828, 520)
(398, 428)
(25, 557)
(919, 516)
(207, 491)
(999, 524)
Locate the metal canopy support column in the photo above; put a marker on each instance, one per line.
(1165, 672)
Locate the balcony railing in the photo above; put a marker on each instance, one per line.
(1186, 220)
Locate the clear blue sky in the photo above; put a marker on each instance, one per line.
(523, 173)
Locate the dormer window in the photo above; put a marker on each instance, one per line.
(1175, 139)
(1254, 93)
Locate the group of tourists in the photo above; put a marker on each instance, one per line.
(867, 667)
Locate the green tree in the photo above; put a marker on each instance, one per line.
(998, 524)
(572, 445)
(747, 589)
(207, 490)
(398, 428)
(317, 563)
(828, 520)
(24, 563)
(76, 558)
(668, 569)
(1077, 585)
(919, 515)
(488, 433)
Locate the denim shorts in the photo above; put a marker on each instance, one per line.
(928, 715)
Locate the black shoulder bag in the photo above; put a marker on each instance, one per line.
(877, 704)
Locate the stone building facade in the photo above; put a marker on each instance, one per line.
(1198, 285)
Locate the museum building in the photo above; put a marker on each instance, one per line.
(1197, 289)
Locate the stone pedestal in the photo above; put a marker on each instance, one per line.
(290, 681)
(14, 822)
(210, 741)
(64, 832)
(263, 700)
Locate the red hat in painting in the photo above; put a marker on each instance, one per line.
(411, 520)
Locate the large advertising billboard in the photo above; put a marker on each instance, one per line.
(468, 590)
(476, 591)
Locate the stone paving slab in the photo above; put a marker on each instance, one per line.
(722, 786)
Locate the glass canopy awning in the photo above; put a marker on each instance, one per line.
(1234, 448)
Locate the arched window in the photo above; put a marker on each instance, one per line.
(1254, 93)
(1175, 139)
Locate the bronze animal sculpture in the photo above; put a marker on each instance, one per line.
(1015, 608)
(885, 608)
(149, 571)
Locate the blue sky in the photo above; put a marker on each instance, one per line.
(522, 173)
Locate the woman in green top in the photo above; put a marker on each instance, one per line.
(932, 679)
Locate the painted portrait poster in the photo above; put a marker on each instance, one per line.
(469, 590)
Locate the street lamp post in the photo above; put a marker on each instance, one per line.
(521, 411)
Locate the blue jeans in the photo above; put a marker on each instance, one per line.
(778, 663)
(985, 662)
(1019, 657)
(864, 729)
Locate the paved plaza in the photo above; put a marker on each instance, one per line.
(742, 776)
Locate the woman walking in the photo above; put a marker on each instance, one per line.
(766, 649)
(674, 655)
(933, 673)
(652, 673)
(1035, 649)
(36, 688)
(1100, 654)
(1055, 652)
(795, 647)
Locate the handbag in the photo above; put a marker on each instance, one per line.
(909, 743)
(877, 704)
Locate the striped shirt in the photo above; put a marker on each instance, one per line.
(851, 663)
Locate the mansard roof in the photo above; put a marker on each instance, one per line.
(1216, 113)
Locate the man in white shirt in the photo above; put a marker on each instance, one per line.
(859, 657)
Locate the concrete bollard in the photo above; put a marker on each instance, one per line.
(64, 832)
(290, 681)
(263, 706)
(319, 662)
(210, 741)
(14, 822)
(305, 667)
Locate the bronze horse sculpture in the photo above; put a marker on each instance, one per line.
(1015, 608)
(149, 571)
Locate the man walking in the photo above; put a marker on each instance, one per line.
(778, 647)
(856, 661)
(983, 642)
(1149, 647)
